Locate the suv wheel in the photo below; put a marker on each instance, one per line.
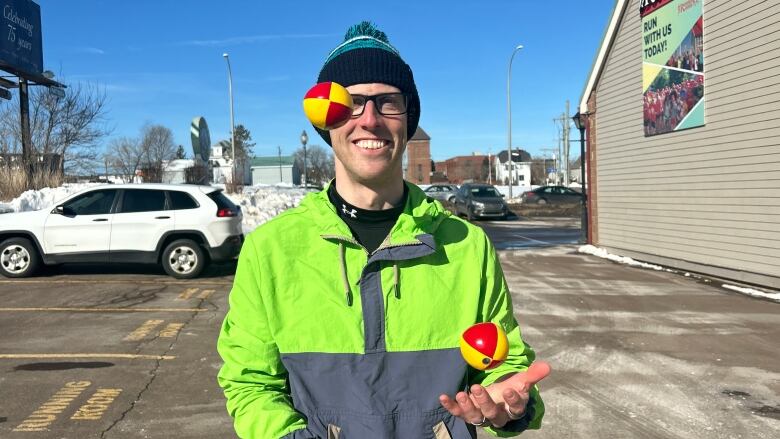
(183, 259)
(18, 258)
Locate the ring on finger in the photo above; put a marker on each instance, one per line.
(481, 423)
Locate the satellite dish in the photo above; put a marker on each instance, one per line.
(201, 140)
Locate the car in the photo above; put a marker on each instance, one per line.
(181, 227)
(480, 200)
(441, 192)
(558, 195)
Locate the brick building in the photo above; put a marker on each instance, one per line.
(418, 158)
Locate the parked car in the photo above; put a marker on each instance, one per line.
(181, 227)
(479, 200)
(552, 195)
(441, 192)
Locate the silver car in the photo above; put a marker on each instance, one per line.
(441, 192)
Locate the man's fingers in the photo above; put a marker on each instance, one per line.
(462, 407)
(515, 402)
(536, 372)
(486, 404)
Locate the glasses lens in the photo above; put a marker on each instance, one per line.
(391, 104)
(358, 103)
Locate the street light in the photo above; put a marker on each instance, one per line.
(509, 117)
(304, 139)
(581, 121)
(232, 124)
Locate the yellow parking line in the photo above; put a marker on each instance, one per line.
(103, 309)
(205, 294)
(171, 330)
(96, 405)
(57, 356)
(143, 330)
(186, 294)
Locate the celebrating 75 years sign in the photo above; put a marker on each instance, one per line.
(673, 65)
(20, 37)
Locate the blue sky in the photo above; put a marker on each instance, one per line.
(161, 62)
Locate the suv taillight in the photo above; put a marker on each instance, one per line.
(225, 213)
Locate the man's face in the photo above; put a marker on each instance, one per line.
(370, 148)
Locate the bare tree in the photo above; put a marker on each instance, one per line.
(125, 155)
(158, 146)
(71, 126)
(320, 167)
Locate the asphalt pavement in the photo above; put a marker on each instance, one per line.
(126, 352)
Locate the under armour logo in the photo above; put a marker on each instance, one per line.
(351, 213)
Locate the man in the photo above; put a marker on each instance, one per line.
(346, 312)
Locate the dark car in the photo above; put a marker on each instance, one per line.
(441, 192)
(552, 195)
(479, 200)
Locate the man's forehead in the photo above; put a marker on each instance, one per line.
(372, 88)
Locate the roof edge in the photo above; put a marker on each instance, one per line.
(606, 43)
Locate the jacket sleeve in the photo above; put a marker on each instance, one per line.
(253, 377)
(497, 308)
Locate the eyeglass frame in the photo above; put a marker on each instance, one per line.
(373, 99)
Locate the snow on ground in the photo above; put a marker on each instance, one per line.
(600, 252)
(261, 203)
(753, 292)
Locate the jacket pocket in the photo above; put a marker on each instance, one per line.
(440, 431)
(334, 432)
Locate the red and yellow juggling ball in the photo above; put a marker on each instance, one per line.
(327, 105)
(484, 345)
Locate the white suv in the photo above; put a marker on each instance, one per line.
(181, 227)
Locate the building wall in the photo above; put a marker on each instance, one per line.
(706, 197)
(418, 170)
(270, 174)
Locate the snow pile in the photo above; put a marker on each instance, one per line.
(601, 253)
(753, 292)
(43, 198)
(261, 203)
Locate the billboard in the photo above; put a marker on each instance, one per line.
(672, 65)
(20, 37)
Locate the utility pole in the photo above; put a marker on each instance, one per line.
(566, 122)
(490, 169)
(562, 167)
(24, 109)
(281, 179)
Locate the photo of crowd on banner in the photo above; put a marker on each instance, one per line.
(671, 97)
(690, 54)
(678, 89)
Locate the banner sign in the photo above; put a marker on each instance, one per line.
(20, 37)
(672, 65)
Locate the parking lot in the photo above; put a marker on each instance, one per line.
(127, 352)
(107, 352)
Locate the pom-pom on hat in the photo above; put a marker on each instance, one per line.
(366, 56)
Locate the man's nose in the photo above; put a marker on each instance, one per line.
(370, 116)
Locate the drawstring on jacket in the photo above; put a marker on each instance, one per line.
(347, 289)
(396, 285)
(345, 279)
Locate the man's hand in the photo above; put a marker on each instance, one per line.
(498, 403)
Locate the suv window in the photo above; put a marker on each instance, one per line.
(182, 200)
(92, 203)
(223, 202)
(143, 200)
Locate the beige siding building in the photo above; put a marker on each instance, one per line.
(704, 199)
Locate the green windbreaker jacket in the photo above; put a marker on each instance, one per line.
(323, 340)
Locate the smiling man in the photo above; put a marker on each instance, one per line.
(346, 312)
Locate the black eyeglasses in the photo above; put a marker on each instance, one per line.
(388, 104)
